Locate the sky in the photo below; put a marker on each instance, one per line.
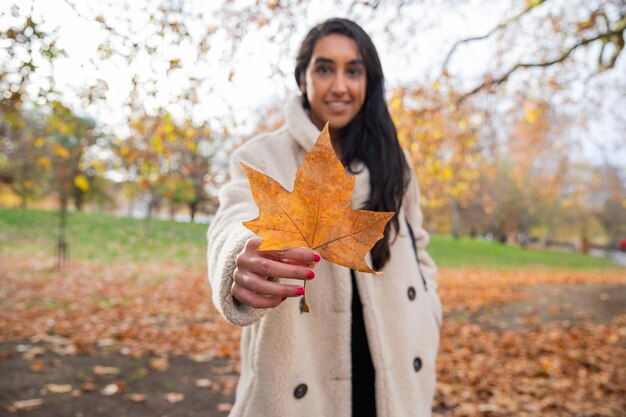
(426, 35)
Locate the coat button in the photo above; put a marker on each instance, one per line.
(300, 391)
(411, 293)
(417, 364)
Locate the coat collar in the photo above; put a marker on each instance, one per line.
(299, 124)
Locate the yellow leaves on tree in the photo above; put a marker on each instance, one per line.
(442, 140)
(60, 151)
(317, 213)
(82, 183)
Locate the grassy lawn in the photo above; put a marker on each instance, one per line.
(105, 237)
(476, 253)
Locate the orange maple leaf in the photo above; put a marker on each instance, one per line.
(317, 213)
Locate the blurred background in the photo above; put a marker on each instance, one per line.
(116, 122)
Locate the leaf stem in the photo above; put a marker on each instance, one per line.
(305, 306)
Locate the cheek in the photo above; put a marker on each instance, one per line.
(359, 87)
(359, 91)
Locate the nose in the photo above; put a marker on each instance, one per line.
(339, 84)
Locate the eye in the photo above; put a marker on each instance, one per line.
(355, 71)
(323, 69)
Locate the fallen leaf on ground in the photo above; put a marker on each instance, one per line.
(159, 364)
(87, 387)
(138, 398)
(317, 213)
(32, 352)
(203, 383)
(26, 405)
(174, 397)
(224, 407)
(222, 370)
(7, 354)
(206, 357)
(58, 389)
(37, 366)
(110, 389)
(105, 370)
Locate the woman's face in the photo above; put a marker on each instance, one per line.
(335, 81)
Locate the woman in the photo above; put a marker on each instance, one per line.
(369, 346)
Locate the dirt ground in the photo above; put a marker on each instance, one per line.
(110, 384)
(566, 303)
(207, 387)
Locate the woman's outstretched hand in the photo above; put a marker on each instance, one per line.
(253, 267)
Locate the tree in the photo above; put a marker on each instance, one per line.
(28, 52)
(169, 160)
(443, 144)
(608, 200)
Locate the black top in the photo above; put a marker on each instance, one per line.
(363, 376)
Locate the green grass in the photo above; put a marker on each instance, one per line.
(476, 253)
(105, 237)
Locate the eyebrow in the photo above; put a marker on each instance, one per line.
(324, 60)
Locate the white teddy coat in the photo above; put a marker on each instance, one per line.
(282, 348)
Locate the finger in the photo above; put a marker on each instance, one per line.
(267, 267)
(305, 255)
(253, 243)
(310, 265)
(252, 299)
(261, 286)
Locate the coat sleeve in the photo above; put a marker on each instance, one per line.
(415, 218)
(226, 239)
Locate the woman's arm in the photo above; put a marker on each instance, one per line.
(226, 239)
(238, 271)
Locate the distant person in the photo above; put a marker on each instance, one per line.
(368, 347)
(622, 244)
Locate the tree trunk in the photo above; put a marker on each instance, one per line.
(454, 213)
(172, 211)
(522, 236)
(151, 205)
(24, 203)
(78, 199)
(61, 249)
(193, 208)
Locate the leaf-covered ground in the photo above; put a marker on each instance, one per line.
(144, 340)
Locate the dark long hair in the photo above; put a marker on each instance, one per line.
(371, 136)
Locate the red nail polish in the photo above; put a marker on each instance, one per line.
(283, 298)
(310, 275)
(300, 291)
(316, 257)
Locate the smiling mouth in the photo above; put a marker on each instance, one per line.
(338, 106)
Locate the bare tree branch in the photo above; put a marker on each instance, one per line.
(491, 32)
(491, 82)
(98, 19)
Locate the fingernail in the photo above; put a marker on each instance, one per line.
(310, 275)
(283, 298)
(300, 291)
(316, 257)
